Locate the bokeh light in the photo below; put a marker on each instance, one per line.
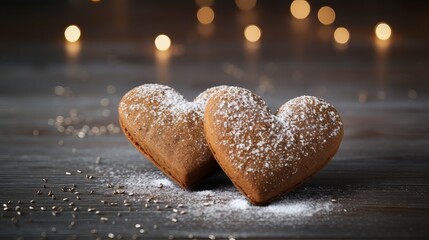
(245, 5)
(383, 31)
(72, 33)
(252, 33)
(326, 15)
(205, 15)
(341, 35)
(300, 9)
(162, 42)
(72, 49)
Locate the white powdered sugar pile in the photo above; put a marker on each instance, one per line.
(293, 209)
(219, 205)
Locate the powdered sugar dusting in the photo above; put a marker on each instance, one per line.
(206, 193)
(300, 208)
(262, 144)
(162, 182)
(203, 97)
(157, 100)
(321, 118)
(240, 204)
(164, 122)
(217, 206)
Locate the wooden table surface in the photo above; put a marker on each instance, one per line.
(377, 186)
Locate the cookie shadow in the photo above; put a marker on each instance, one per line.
(215, 181)
(335, 181)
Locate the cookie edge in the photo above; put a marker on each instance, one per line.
(152, 159)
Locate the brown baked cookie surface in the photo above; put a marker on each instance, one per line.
(268, 155)
(168, 130)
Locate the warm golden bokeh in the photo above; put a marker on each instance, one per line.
(205, 15)
(72, 33)
(383, 31)
(72, 49)
(246, 5)
(252, 33)
(162, 42)
(300, 9)
(326, 15)
(341, 35)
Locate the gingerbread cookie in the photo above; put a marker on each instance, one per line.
(268, 155)
(168, 130)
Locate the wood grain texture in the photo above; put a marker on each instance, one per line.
(379, 178)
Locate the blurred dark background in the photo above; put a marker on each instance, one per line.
(116, 45)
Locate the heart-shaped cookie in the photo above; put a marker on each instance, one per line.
(268, 155)
(168, 130)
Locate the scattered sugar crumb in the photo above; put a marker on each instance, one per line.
(162, 181)
(219, 205)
